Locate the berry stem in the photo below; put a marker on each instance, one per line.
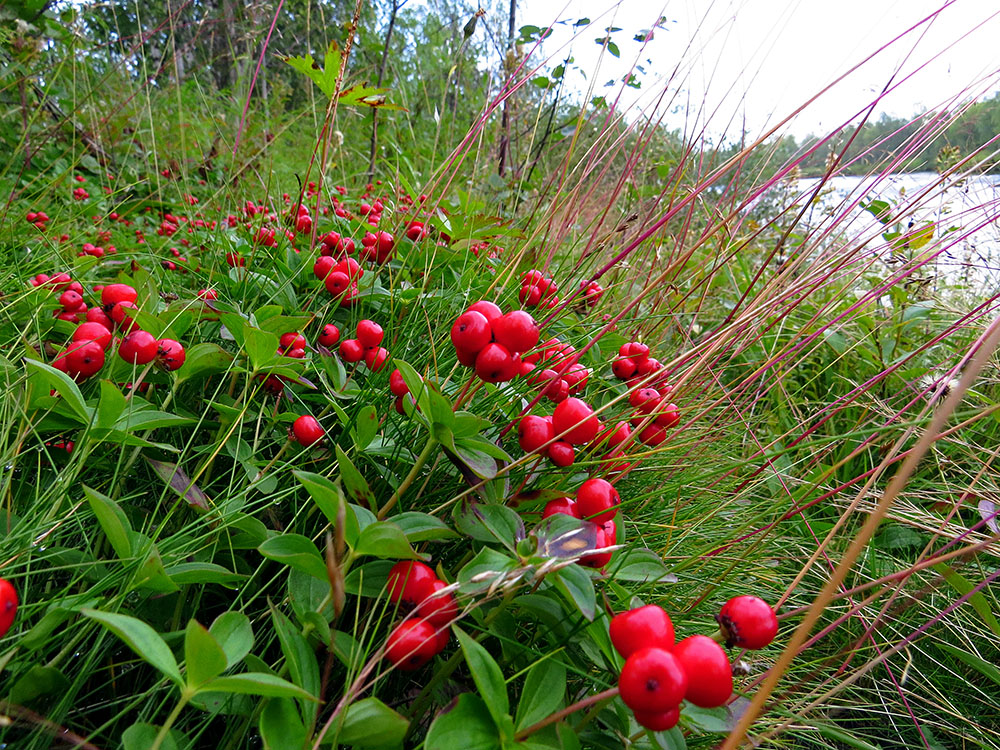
(590, 700)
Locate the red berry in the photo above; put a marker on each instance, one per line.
(533, 433)
(397, 385)
(323, 267)
(574, 420)
(337, 283)
(494, 364)
(410, 582)
(652, 435)
(376, 358)
(641, 627)
(747, 622)
(84, 358)
(530, 295)
(70, 300)
(605, 537)
(489, 310)
(652, 680)
(561, 453)
(139, 348)
(97, 315)
(292, 340)
(93, 332)
(623, 368)
(121, 314)
(351, 350)
(170, 354)
(411, 645)
(563, 505)
(471, 332)
(330, 335)
(516, 330)
(370, 333)
(112, 294)
(658, 721)
(438, 610)
(598, 500)
(645, 399)
(8, 605)
(307, 430)
(710, 678)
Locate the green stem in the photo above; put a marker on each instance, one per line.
(165, 729)
(425, 454)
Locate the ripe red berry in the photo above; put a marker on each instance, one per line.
(412, 644)
(70, 300)
(437, 609)
(330, 335)
(623, 368)
(471, 332)
(292, 340)
(337, 283)
(307, 430)
(605, 536)
(97, 315)
(710, 678)
(170, 354)
(397, 385)
(652, 680)
(574, 420)
(93, 332)
(323, 267)
(351, 350)
(533, 433)
(747, 622)
(489, 310)
(516, 330)
(658, 721)
(563, 505)
(139, 348)
(8, 605)
(598, 500)
(410, 582)
(561, 453)
(83, 359)
(641, 627)
(494, 364)
(370, 333)
(112, 294)
(376, 358)
(122, 315)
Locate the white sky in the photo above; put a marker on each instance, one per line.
(762, 59)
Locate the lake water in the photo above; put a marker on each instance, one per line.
(965, 214)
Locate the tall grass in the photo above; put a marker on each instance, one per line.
(835, 454)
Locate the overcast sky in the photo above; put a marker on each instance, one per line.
(762, 59)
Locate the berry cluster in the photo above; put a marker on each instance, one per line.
(340, 277)
(597, 501)
(573, 423)
(399, 389)
(425, 632)
(367, 346)
(538, 290)
(591, 293)
(38, 218)
(492, 342)
(659, 673)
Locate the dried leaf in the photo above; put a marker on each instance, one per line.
(180, 483)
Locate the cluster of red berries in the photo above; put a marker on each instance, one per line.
(8, 605)
(659, 673)
(425, 632)
(399, 389)
(591, 293)
(377, 247)
(292, 344)
(573, 423)
(38, 218)
(597, 501)
(340, 277)
(492, 342)
(367, 345)
(538, 290)
(80, 194)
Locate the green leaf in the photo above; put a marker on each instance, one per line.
(234, 634)
(365, 427)
(61, 383)
(707, 719)
(281, 727)
(847, 738)
(371, 723)
(299, 655)
(486, 674)
(577, 587)
(543, 694)
(142, 736)
(297, 552)
(203, 656)
(641, 565)
(141, 638)
(37, 682)
(261, 346)
(111, 406)
(386, 540)
(202, 360)
(113, 522)
(465, 724)
(486, 567)
(367, 96)
(489, 523)
(256, 683)
(355, 486)
(978, 600)
(151, 574)
(328, 497)
(982, 666)
(325, 77)
(422, 527)
(203, 572)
